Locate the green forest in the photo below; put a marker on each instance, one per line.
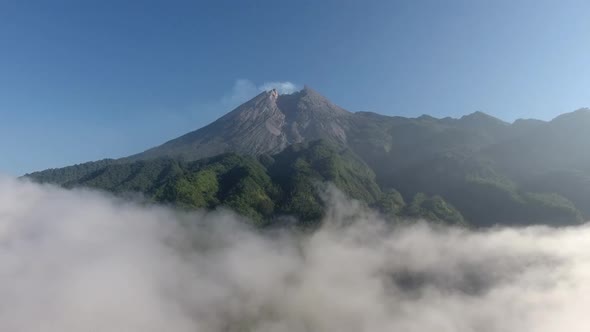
(292, 183)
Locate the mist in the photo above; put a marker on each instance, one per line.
(77, 260)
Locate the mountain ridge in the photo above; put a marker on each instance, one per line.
(492, 171)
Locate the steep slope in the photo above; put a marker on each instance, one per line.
(266, 124)
(562, 143)
(493, 172)
(392, 144)
(553, 157)
(300, 168)
(484, 196)
(72, 173)
(289, 183)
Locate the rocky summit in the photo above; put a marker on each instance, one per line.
(265, 158)
(267, 123)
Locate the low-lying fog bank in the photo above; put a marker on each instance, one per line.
(77, 260)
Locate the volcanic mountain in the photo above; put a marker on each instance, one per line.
(268, 123)
(265, 158)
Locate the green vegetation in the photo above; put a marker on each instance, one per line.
(288, 183)
(391, 204)
(475, 170)
(452, 187)
(482, 195)
(434, 209)
(70, 173)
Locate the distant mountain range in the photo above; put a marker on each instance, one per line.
(269, 157)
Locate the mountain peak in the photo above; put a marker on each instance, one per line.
(481, 118)
(274, 94)
(582, 112)
(265, 124)
(308, 90)
(309, 100)
(576, 120)
(477, 115)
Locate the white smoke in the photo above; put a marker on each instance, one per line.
(79, 261)
(281, 87)
(243, 90)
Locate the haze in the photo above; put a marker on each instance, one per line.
(121, 77)
(294, 166)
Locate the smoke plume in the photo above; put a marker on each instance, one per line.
(76, 260)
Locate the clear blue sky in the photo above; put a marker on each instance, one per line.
(84, 80)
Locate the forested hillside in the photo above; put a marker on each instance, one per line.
(263, 188)
(270, 157)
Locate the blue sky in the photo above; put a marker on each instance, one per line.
(84, 80)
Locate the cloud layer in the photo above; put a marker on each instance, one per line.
(80, 261)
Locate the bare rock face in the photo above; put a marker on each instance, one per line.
(267, 123)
